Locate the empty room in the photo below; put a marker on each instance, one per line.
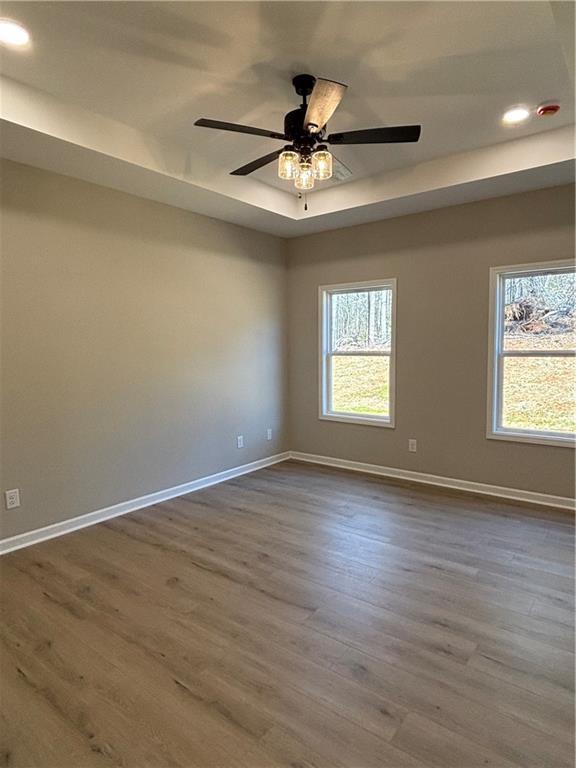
(287, 384)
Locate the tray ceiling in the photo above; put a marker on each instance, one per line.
(96, 71)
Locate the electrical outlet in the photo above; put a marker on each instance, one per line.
(12, 498)
(268, 434)
(412, 446)
(240, 441)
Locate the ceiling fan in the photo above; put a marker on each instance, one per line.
(306, 158)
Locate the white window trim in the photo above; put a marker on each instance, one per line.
(495, 432)
(324, 295)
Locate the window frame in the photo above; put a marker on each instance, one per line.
(496, 355)
(325, 293)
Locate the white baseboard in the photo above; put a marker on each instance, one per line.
(91, 518)
(516, 494)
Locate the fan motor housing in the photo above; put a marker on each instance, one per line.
(294, 123)
(294, 130)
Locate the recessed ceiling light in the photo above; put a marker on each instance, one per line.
(516, 115)
(13, 34)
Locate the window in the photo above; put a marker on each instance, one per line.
(532, 384)
(357, 327)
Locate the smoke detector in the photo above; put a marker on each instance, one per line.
(548, 109)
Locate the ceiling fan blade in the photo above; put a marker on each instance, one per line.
(255, 164)
(324, 100)
(206, 123)
(393, 135)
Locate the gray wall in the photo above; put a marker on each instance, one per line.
(137, 341)
(442, 260)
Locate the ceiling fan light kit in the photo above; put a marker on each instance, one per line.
(315, 167)
(307, 158)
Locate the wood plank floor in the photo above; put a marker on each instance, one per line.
(298, 617)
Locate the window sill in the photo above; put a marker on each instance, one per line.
(533, 437)
(366, 420)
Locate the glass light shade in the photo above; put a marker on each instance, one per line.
(305, 178)
(288, 164)
(322, 164)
